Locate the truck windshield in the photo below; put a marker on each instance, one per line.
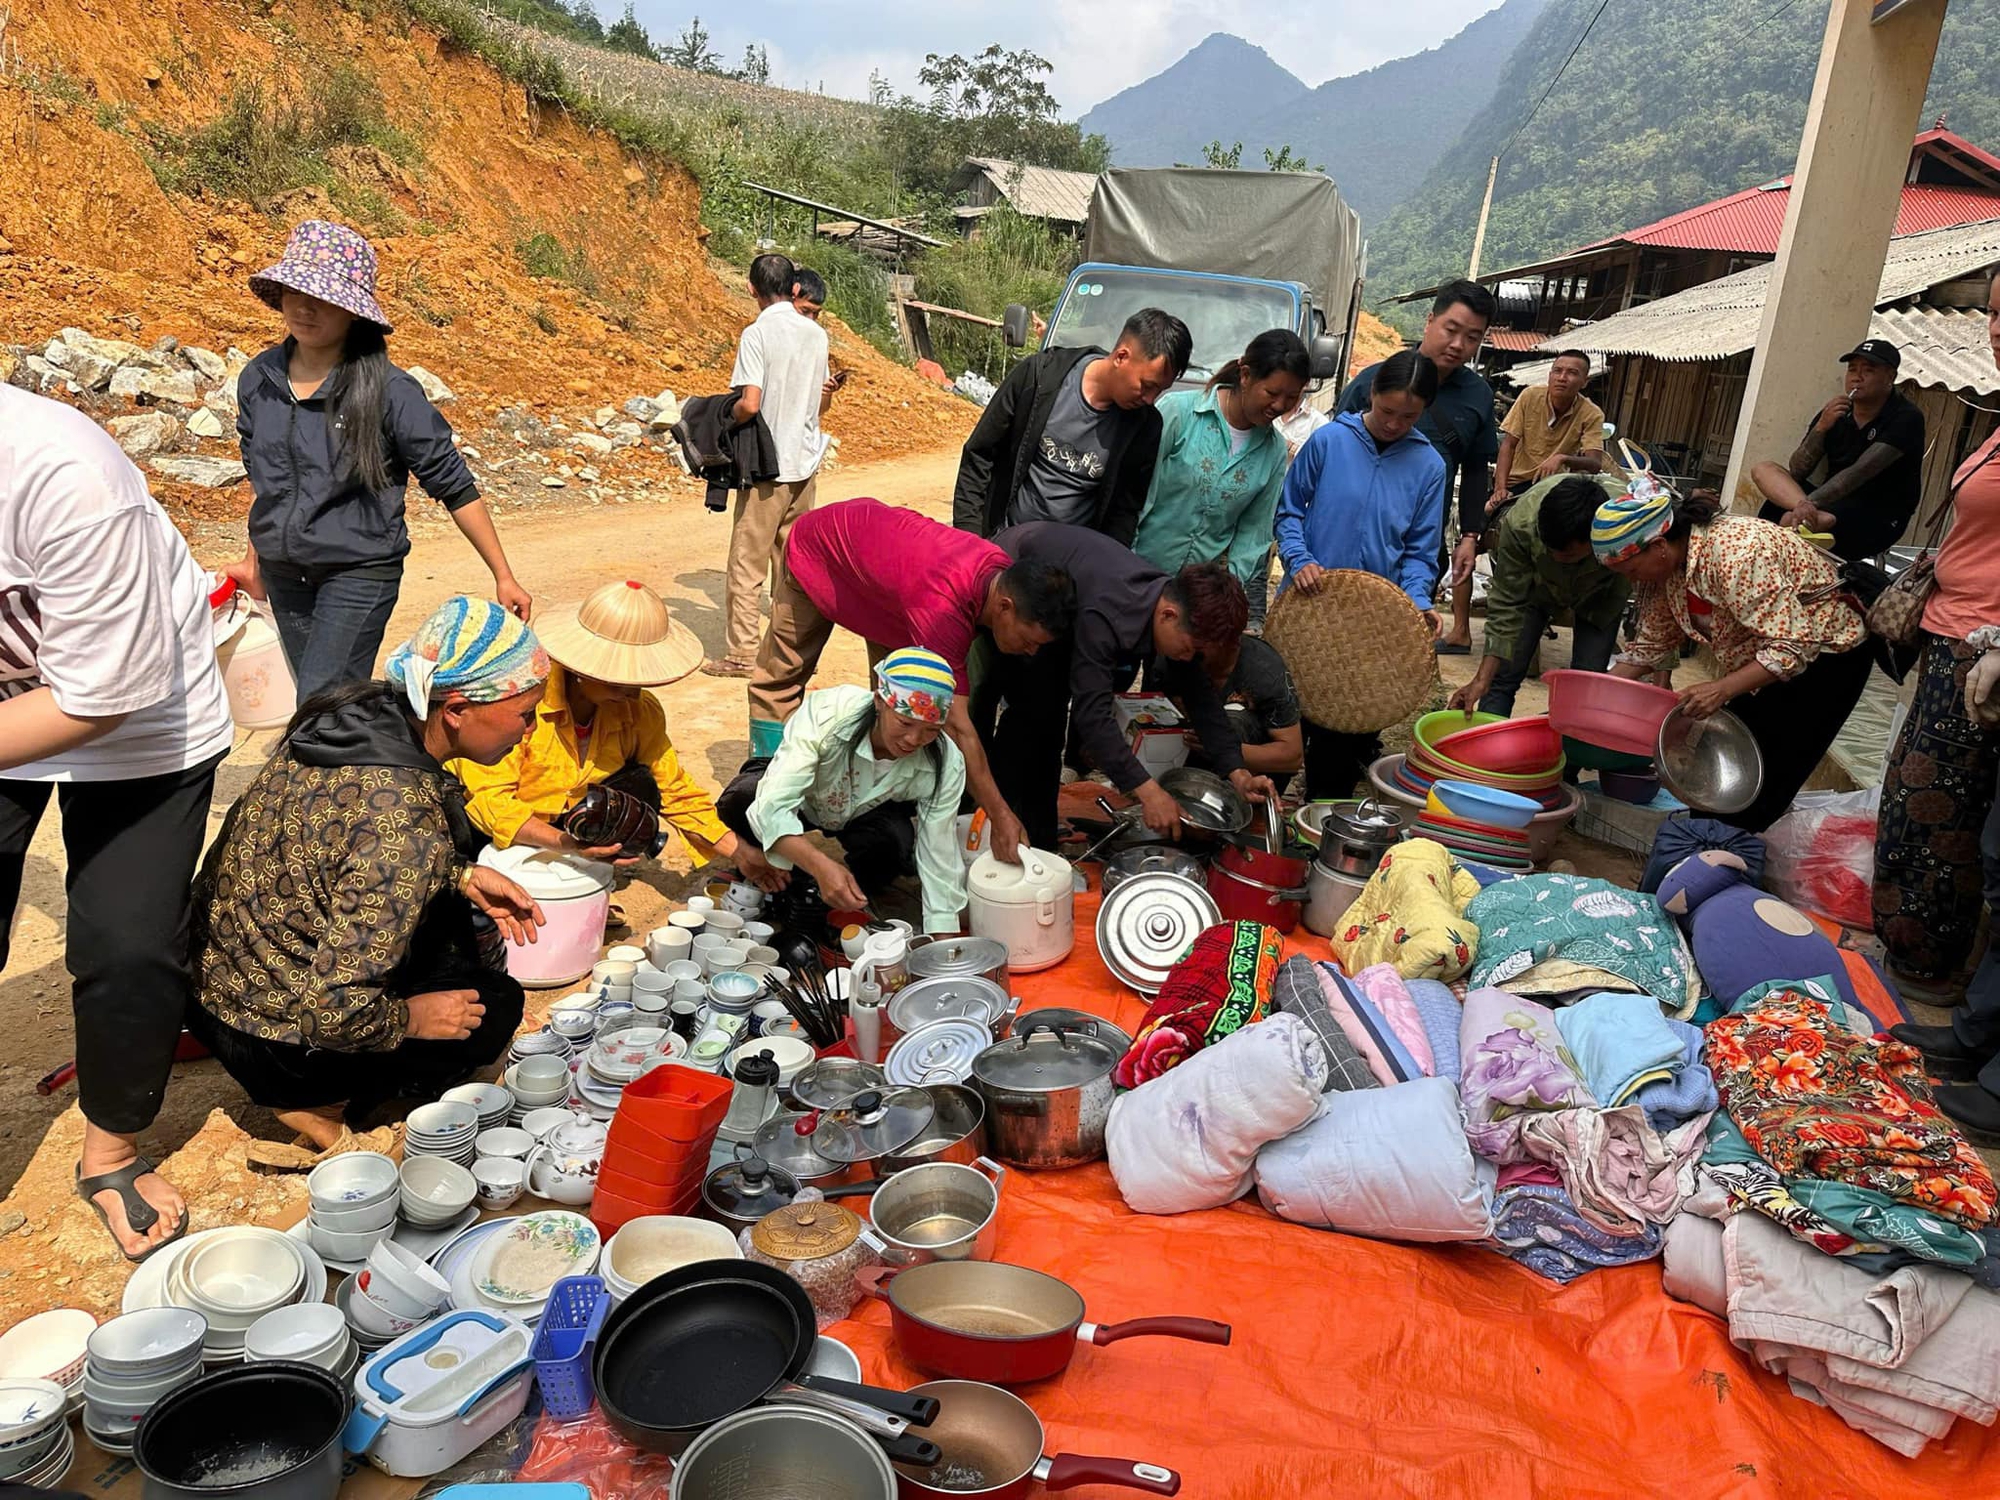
(1222, 315)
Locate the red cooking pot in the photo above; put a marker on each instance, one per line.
(1251, 884)
(986, 1320)
(991, 1442)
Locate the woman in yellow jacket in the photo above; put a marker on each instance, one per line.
(595, 726)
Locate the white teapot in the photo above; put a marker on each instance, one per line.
(563, 1165)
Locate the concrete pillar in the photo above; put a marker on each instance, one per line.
(1867, 99)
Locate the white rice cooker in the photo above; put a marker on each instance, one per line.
(1028, 906)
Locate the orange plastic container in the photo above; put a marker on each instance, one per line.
(681, 1104)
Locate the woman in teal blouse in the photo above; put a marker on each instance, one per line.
(1222, 462)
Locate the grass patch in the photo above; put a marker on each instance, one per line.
(544, 319)
(54, 85)
(1015, 259)
(549, 259)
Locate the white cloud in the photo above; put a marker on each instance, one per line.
(1098, 48)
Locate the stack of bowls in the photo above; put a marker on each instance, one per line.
(537, 1082)
(232, 1278)
(49, 1346)
(653, 1245)
(615, 1059)
(533, 1043)
(1523, 756)
(313, 1333)
(435, 1191)
(394, 1293)
(133, 1361)
(1478, 823)
(351, 1205)
(444, 1129)
(36, 1445)
(574, 1019)
(493, 1102)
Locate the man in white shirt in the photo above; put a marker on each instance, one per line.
(111, 700)
(781, 376)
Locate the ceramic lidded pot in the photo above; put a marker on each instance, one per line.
(563, 1165)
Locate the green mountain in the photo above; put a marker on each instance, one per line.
(1664, 107)
(1377, 133)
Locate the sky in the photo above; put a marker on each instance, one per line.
(1098, 48)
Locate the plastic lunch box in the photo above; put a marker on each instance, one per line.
(438, 1392)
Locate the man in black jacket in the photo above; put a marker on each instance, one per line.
(1071, 434)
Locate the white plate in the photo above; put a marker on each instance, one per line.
(148, 1286)
(420, 1242)
(454, 1263)
(510, 1267)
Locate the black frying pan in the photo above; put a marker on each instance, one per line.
(709, 1339)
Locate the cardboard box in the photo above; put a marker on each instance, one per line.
(1154, 729)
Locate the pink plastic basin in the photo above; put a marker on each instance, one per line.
(1613, 712)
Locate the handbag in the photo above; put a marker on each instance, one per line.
(1897, 615)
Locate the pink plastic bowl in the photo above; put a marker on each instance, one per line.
(1513, 747)
(1612, 712)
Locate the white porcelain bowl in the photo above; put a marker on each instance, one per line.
(240, 1274)
(649, 1247)
(403, 1282)
(486, 1098)
(443, 1120)
(301, 1331)
(539, 1122)
(347, 1247)
(110, 1391)
(506, 1140)
(354, 1180)
(435, 1188)
(148, 1341)
(355, 1220)
(48, 1346)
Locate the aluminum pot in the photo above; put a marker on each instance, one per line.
(277, 1421)
(783, 1450)
(991, 1442)
(1147, 860)
(1356, 837)
(959, 958)
(1242, 899)
(956, 1134)
(1328, 895)
(939, 1212)
(926, 1000)
(1048, 1095)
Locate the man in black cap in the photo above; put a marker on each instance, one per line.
(1870, 440)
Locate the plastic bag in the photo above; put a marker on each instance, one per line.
(589, 1452)
(1820, 856)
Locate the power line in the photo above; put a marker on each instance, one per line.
(1776, 13)
(1589, 26)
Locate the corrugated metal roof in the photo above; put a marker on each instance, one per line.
(1040, 192)
(1721, 318)
(1518, 341)
(1750, 222)
(1537, 373)
(1944, 347)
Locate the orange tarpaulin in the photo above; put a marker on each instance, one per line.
(1366, 1368)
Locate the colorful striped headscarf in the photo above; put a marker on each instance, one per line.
(467, 646)
(915, 684)
(1624, 527)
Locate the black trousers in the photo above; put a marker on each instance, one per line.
(1025, 745)
(132, 848)
(880, 846)
(1337, 762)
(285, 1075)
(1794, 722)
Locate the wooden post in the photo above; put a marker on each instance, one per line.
(1485, 208)
(1867, 99)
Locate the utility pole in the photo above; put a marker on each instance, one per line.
(1485, 208)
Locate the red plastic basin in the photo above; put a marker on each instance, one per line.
(1513, 747)
(1612, 712)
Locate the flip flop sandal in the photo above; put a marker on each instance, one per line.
(139, 1214)
(1449, 648)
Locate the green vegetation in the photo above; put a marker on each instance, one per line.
(1285, 159)
(549, 258)
(1015, 259)
(1668, 108)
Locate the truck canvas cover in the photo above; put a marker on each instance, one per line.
(1279, 226)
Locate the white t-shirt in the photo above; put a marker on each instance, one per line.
(100, 602)
(783, 354)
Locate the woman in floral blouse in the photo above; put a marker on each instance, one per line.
(1793, 661)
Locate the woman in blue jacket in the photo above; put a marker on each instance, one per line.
(1366, 492)
(332, 434)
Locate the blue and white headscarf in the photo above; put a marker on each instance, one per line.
(468, 646)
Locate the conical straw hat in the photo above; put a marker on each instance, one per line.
(622, 633)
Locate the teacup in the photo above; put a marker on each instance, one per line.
(699, 905)
(538, 1123)
(542, 1073)
(651, 982)
(728, 923)
(626, 953)
(613, 972)
(759, 932)
(683, 968)
(690, 922)
(501, 1180)
(506, 1141)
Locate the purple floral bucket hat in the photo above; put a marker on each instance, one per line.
(327, 261)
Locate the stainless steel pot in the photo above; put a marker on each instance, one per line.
(1328, 895)
(1151, 860)
(948, 998)
(960, 958)
(940, 1212)
(783, 1450)
(956, 1134)
(1048, 1095)
(1356, 837)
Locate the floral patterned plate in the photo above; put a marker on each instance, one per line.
(520, 1264)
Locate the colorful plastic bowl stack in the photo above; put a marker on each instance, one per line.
(1522, 756)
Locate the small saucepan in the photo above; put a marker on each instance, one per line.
(986, 1320)
(990, 1444)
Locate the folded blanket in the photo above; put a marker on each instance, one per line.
(1537, 1225)
(1691, 1268)
(1410, 916)
(1386, 1063)
(1383, 987)
(1527, 922)
(1439, 1010)
(1388, 1040)
(1619, 1172)
(1390, 1163)
(1621, 1042)
(1296, 992)
(1512, 1061)
(1189, 1139)
(1222, 984)
(1688, 1092)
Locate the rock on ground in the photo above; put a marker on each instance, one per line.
(148, 432)
(592, 444)
(206, 422)
(435, 389)
(209, 473)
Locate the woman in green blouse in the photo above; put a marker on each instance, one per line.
(1222, 462)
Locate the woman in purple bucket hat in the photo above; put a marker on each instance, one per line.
(332, 434)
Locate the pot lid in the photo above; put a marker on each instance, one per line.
(1147, 924)
(956, 956)
(1039, 877)
(835, 1080)
(941, 1052)
(1047, 1058)
(786, 1141)
(1366, 821)
(872, 1124)
(806, 1231)
(749, 1188)
(1149, 859)
(549, 874)
(966, 997)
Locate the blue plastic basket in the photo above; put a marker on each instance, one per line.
(577, 1305)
